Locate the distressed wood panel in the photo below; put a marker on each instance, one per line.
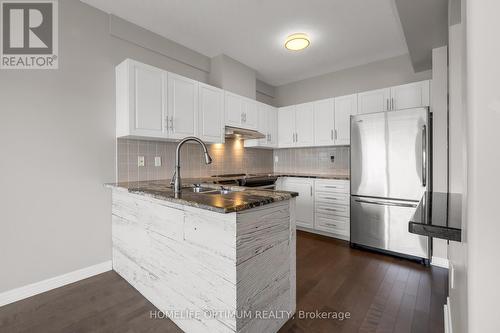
(184, 258)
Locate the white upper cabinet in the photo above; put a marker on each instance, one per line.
(140, 108)
(272, 128)
(240, 111)
(374, 101)
(211, 113)
(286, 126)
(267, 125)
(345, 107)
(182, 106)
(304, 125)
(250, 114)
(233, 106)
(410, 95)
(296, 126)
(324, 122)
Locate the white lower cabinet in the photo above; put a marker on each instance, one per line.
(331, 207)
(304, 202)
(322, 205)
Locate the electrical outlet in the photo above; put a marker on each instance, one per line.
(157, 161)
(140, 161)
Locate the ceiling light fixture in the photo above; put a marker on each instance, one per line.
(297, 42)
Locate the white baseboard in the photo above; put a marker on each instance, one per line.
(440, 262)
(36, 288)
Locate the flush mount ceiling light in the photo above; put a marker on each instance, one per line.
(297, 42)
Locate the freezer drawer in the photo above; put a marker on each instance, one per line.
(383, 224)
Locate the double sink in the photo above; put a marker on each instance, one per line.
(206, 190)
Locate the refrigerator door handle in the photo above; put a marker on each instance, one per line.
(387, 203)
(424, 156)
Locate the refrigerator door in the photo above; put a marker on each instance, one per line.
(389, 154)
(383, 224)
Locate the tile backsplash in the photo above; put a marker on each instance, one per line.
(230, 157)
(317, 160)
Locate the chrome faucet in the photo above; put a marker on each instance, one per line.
(176, 179)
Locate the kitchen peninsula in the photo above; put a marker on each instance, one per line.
(212, 259)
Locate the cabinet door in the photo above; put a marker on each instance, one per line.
(345, 107)
(410, 95)
(286, 126)
(305, 200)
(272, 127)
(211, 114)
(374, 101)
(324, 122)
(261, 127)
(233, 109)
(182, 106)
(250, 114)
(304, 125)
(146, 93)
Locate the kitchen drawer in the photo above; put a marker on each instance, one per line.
(332, 198)
(336, 225)
(326, 185)
(332, 209)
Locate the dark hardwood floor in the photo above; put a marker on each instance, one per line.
(381, 293)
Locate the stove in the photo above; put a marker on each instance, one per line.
(263, 181)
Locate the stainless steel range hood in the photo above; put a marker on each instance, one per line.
(241, 133)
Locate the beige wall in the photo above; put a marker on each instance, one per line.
(58, 148)
(380, 74)
(229, 74)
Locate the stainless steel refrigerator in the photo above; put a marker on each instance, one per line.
(390, 168)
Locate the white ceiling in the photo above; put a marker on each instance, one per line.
(344, 33)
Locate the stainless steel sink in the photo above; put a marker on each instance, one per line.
(222, 191)
(197, 189)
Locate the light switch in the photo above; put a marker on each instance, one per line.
(140, 161)
(157, 161)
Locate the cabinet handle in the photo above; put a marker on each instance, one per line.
(424, 156)
(331, 198)
(165, 123)
(392, 103)
(335, 134)
(331, 224)
(331, 134)
(311, 191)
(388, 107)
(331, 209)
(172, 123)
(331, 186)
(296, 137)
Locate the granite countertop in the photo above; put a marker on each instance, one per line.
(239, 199)
(438, 215)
